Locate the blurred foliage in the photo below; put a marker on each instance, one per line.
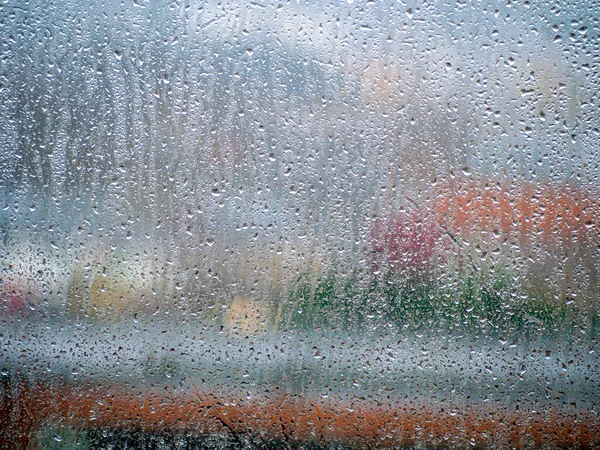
(467, 302)
(56, 437)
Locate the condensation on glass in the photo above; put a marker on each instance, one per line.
(235, 224)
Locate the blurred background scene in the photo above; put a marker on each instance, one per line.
(261, 169)
(185, 159)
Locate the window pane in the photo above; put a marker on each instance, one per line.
(300, 224)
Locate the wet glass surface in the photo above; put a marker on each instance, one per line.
(299, 224)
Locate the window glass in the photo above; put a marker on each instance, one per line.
(299, 224)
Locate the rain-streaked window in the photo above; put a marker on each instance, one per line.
(299, 224)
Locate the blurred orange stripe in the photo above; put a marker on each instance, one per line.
(365, 422)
